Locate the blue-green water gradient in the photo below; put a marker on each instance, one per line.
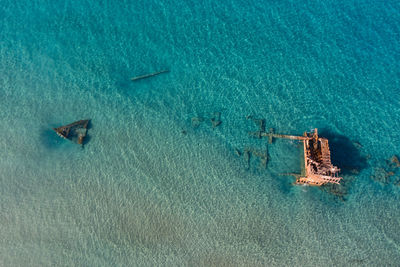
(148, 189)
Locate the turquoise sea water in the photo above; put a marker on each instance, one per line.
(149, 189)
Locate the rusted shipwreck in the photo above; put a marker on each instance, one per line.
(75, 132)
(317, 169)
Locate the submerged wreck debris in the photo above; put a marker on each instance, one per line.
(75, 132)
(249, 151)
(381, 175)
(246, 157)
(394, 162)
(196, 121)
(318, 169)
(338, 190)
(261, 126)
(385, 174)
(238, 152)
(263, 155)
(357, 145)
(148, 75)
(215, 120)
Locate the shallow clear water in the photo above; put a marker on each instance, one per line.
(142, 192)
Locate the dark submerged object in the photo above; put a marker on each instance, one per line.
(75, 132)
(148, 75)
(249, 152)
(318, 169)
(215, 120)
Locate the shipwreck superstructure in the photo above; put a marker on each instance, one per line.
(317, 169)
(75, 132)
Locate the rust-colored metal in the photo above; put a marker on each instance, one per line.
(75, 131)
(318, 169)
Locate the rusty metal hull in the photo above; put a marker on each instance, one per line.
(76, 131)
